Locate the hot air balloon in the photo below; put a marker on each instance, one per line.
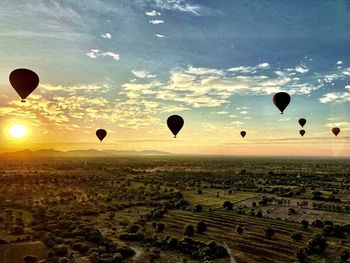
(101, 134)
(281, 100)
(302, 122)
(243, 133)
(302, 132)
(24, 81)
(336, 131)
(175, 123)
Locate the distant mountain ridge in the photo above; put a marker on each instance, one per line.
(81, 153)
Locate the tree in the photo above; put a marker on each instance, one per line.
(345, 256)
(327, 230)
(160, 227)
(301, 256)
(239, 230)
(269, 232)
(305, 224)
(228, 205)
(296, 236)
(253, 204)
(189, 230)
(30, 259)
(201, 227)
(316, 244)
(198, 208)
(199, 191)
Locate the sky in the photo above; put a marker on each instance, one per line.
(127, 65)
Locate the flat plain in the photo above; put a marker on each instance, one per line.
(174, 209)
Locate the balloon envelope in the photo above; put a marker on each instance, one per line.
(302, 122)
(101, 134)
(281, 100)
(24, 81)
(302, 132)
(175, 123)
(336, 131)
(243, 133)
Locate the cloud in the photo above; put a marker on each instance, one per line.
(343, 125)
(153, 13)
(177, 5)
(156, 21)
(107, 35)
(347, 72)
(301, 69)
(94, 53)
(142, 74)
(198, 87)
(238, 123)
(264, 65)
(159, 35)
(339, 62)
(335, 97)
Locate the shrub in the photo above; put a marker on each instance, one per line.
(80, 247)
(63, 260)
(125, 251)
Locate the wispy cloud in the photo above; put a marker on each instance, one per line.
(142, 74)
(153, 13)
(177, 5)
(159, 35)
(156, 21)
(94, 53)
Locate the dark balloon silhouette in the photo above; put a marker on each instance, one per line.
(336, 131)
(101, 134)
(243, 133)
(175, 123)
(281, 100)
(24, 81)
(302, 132)
(302, 122)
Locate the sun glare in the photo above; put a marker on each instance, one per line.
(17, 131)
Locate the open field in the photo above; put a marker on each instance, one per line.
(174, 209)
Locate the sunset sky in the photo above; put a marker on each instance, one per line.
(126, 65)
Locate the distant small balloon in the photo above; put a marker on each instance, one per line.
(101, 134)
(24, 81)
(302, 132)
(281, 100)
(336, 131)
(302, 122)
(243, 133)
(175, 123)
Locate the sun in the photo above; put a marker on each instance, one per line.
(17, 131)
